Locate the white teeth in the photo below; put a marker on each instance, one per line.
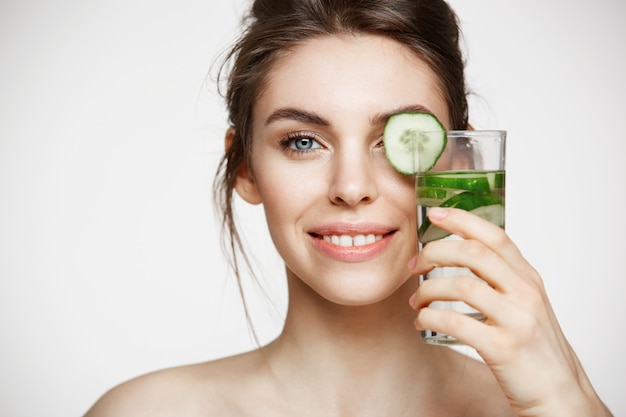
(347, 240)
(359, 240)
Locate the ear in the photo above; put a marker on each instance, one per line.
(244, 183)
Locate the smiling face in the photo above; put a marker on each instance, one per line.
(341, 217)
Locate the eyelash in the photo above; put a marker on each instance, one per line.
(287, 143)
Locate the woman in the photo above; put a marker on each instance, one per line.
(311, 86)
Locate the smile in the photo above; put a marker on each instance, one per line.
(352, 243)
(348, 240)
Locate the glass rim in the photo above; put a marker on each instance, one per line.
(472, 132)
(468, 133)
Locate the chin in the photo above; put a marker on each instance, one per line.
(358, 292)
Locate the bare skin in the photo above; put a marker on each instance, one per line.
(350, 346)
(378, 367)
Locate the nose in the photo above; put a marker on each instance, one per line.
(353, 179)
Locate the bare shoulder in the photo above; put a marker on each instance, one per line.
(210, 388)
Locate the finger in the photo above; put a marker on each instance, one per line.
(470, 226)
(463, 288)
(471, 254)
(464, 328)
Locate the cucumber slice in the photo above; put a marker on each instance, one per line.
(489, 206)
(496, 180)
(469, 182)
(431, 197)
(414, 141)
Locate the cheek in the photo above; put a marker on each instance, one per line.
(401, 191)
(408, 206)
(285, 184)
(288, 196)
(287, 191)
(402, 198)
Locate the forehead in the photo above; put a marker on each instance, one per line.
(359, 73)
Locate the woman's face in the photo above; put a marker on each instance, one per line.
(340, 216)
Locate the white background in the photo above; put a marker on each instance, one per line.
(110, 263)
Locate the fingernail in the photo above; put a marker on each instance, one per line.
(413, 263)
(412, 300)
(437, 213)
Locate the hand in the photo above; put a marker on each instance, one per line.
(520, 339)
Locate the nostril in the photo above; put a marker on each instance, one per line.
(352, 178)
(354, 193)
(352, 201)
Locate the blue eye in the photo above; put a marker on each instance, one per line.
(304, 143)
(300, 142)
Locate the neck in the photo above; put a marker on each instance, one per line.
(349, 355)
(312, 317)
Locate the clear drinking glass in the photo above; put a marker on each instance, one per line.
(469, 175)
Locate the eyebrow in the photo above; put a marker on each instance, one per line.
(298, 115)
(291, 113)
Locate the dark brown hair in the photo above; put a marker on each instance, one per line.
(428, 27)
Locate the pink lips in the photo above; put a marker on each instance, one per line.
(348, 242)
